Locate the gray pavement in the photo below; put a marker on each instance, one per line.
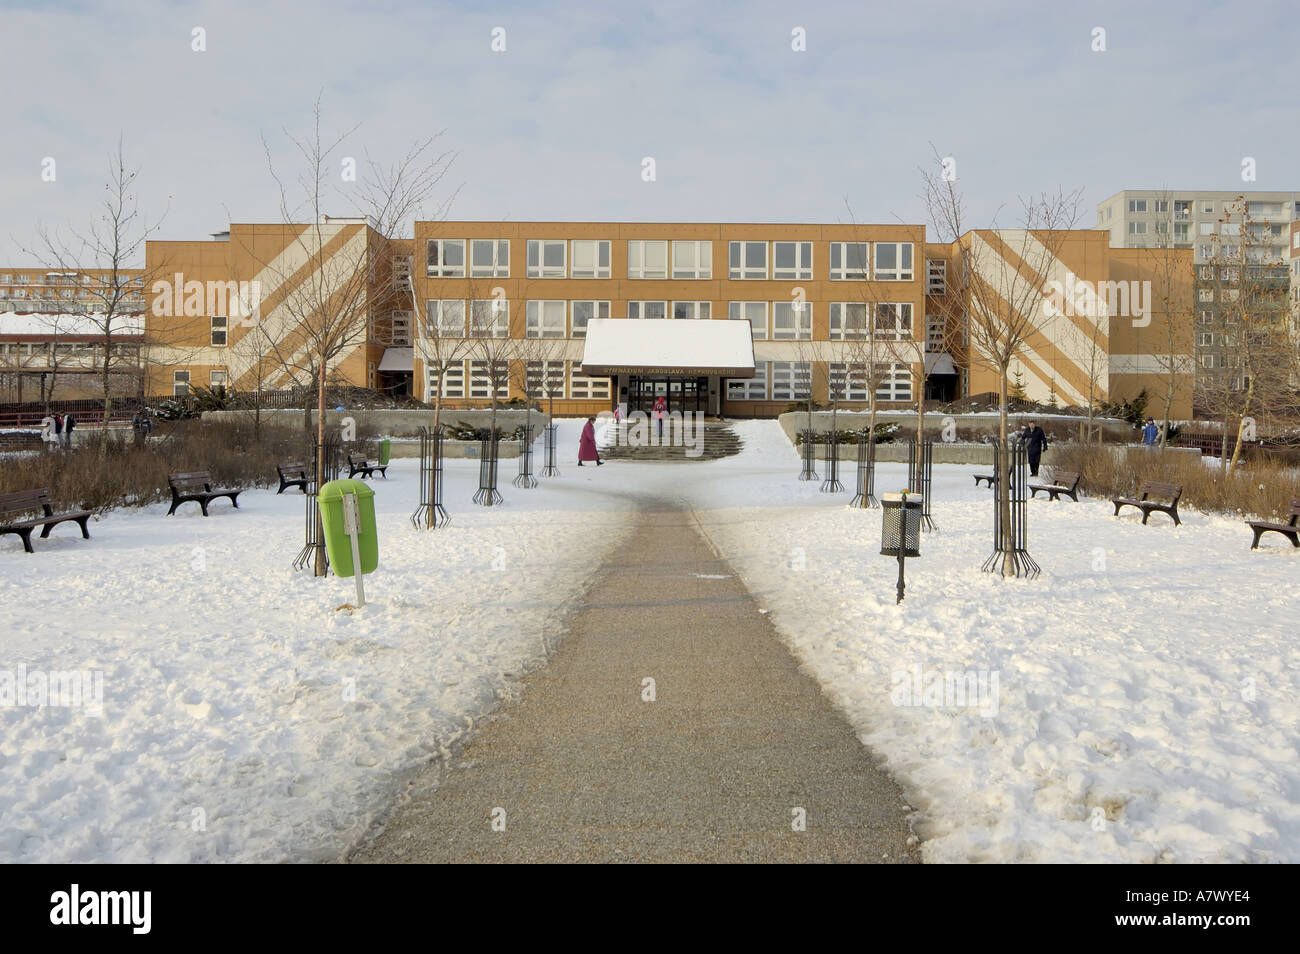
(737, 738)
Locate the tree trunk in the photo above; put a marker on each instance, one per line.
(320, 567)
(1006, 541)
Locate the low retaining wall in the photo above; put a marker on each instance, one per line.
(966, 428)
(391, 423)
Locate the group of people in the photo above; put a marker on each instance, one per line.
(59, 432)
(587, 449)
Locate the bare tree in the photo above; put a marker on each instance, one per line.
(1001, 288)
(107, 260)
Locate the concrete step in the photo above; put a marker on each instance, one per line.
(718, 441)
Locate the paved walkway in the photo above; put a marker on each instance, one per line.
(711, 770)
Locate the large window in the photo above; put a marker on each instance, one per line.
(791, 320)
(544, 319)
(647, 259)
(747, 260)
(894, 320)
(893, 262)
(791, 380)
(483, 376)
(489, 258)
(584, 311)
(848, 382)
(217, 331)
(546, 258)
(755, 312)
(849, 261)
(692, 309)
(445, 258)
(1137, 205)
(217, 379)
(489, 318)
(936, 276)
(545, 379)
(749, 389)
(692, 259)
(446, 317)
(894, 383)
(581, 386)
(848, 320)
(453, 381)
(647, 309)
(180, 383)
(792, 260)
(590, 258)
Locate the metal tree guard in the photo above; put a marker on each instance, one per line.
(430, 514)
(1010, 542)
(866, 489)
(920, 476)
(831, 484)
(809, 471)
(525, 478)
(311, 543)
(487, 493)
(548, 449)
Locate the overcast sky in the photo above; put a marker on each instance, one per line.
(742, 127)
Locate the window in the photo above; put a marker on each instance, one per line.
(647, 259)
(489, 258)
(936, 276)
(1137, 205)
(1230, 228)
(1206, 272)
(791, 320)
(792, 260)
(895, 383)
(482, 377)
(749, 389)
(1137, 228)
(216, 379)
(1182, 232)
(489, 318)
(180, 383)
(1207, 294)
(893, 262)
(1206, 250)
(1207, 208)
(583, 311)
(590, 259)
(848, 382)
(753, 311)
(848, 320)
(894, 320)
(453, 381)
(446, 318)
(545, 259)
(692, 309)
(692, 259)
(791, 380)
(1160, 205)
(1207, 361)
(848, 261)
(747, 260)
(1182, 208)
(445, 258)
(581, 386)
(544, 319)
(647, 309)
(545, 379)
(218, 331)
(1205, 340)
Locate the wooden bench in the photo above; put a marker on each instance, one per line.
(991, 478)
(1063, 482)
(293, 475)
(359, 465)
(1149, 498)
(196, 486)
(27, 501)
(1290, 529)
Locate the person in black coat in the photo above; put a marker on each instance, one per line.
(69, 423)
(1035, 441)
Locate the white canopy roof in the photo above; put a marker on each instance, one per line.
(668, 346)
(397, 359)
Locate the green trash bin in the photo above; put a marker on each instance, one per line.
(337, 543)
(385, 451)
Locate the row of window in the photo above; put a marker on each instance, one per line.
(478, 379)
(181, 381)
(66, 278)
(662, 258)
(1184, 207)
(792, 381)
(778, 320)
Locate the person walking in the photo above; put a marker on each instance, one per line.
(661, 411)
(69, 423)
(1150, 433)
(587, 443)
(58, 430)
(1035, 441)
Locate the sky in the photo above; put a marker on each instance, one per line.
(741, 125)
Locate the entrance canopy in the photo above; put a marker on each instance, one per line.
(669, 346)
(397, 359)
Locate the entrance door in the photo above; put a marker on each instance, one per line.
(681, 393)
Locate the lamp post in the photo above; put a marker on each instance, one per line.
(900, 532)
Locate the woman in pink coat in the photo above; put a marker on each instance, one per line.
(661, 408)
(587, 443)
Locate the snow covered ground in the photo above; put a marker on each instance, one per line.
(1146, 700)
